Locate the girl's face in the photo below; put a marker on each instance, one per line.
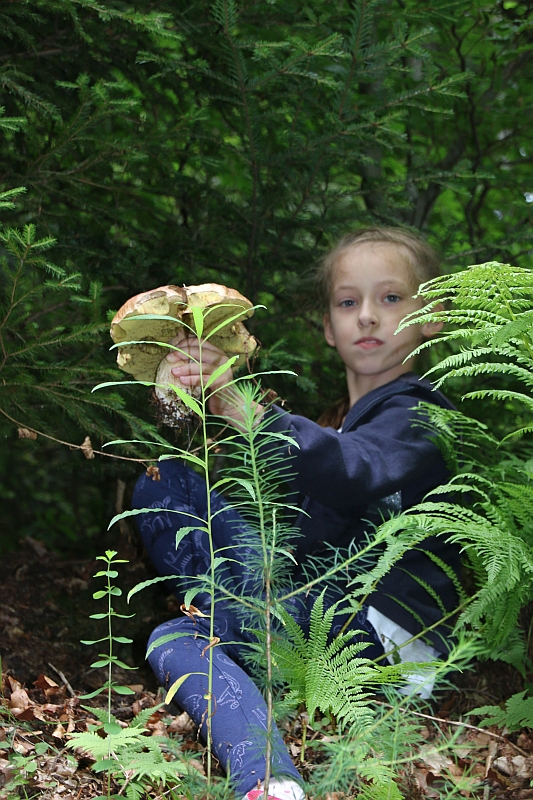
(372, 291)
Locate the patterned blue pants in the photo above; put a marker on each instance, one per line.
(239, 715)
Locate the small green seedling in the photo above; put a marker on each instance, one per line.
(125, 754)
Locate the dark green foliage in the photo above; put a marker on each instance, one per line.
(235, 142)
(490, 319)
(331, 676)
(518, 713)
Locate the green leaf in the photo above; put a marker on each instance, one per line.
(183, 532)
(282, 436)
(198, 317)
(168, 637)
(190, 594)
(93, 694)
(184, 396)
(220, 371)
(112, 728)
(98, 595)
(123, 689)
(190, 457)
(117, 662)
(248, 485)
(149, 582)
(105, 764)
(134, 512)
(176, 685)
(103, 662)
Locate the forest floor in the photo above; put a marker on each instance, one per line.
(45, 609)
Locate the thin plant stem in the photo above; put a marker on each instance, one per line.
(206, 450)
(267, 562)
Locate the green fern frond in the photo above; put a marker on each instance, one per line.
(329, 673)
(518, 713)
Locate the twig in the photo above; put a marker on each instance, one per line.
(456, 722)
(65, 682)
(75, 446)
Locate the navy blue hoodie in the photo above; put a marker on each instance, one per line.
(381, 461)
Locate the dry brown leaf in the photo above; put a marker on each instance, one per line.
(181, 724)
(23, 747)
(159, 729)
(525, 741)
(20, 704)
(516, 766)
(47, 685)
(59, 731)
(143, 702)
(435, 761)
(192, 612)
(13, 684)
(6, 769)
(87, 448)
(491, 755)
(482, 739)
(25, 433)
(52, 708)
(19, 700)
(26, 715)
(421, 776)
(153, 472)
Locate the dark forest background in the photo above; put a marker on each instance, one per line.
(171, 142)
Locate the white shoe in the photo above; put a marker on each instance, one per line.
(278, 790)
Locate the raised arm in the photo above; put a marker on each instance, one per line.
(388, 451)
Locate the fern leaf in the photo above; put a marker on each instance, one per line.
(518, 713)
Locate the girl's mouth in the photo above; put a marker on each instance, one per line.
(368, 342)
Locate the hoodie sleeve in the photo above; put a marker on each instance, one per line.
(387, 452)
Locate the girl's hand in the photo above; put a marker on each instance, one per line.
(223, 403)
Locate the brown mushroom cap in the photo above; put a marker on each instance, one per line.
(219, 303)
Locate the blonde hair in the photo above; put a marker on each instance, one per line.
(423, 259)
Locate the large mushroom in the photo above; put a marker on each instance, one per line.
(145, 360)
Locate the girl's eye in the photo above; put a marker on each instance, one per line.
(392, 298)
(347, 303)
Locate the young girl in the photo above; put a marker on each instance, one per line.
(368, 459)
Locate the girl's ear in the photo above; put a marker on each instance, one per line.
(328, 332)
(431, 328)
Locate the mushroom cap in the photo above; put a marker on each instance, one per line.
(141, 358)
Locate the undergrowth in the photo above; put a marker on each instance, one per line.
(323, 675)
(490, 327)
(372, 745)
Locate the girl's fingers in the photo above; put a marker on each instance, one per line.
(187, 358)
(193, 369)
(210, 363)
(189, 347)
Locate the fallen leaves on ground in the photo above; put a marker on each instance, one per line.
(36, 721)
(35, 724)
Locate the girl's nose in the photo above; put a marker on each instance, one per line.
(367, 314)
